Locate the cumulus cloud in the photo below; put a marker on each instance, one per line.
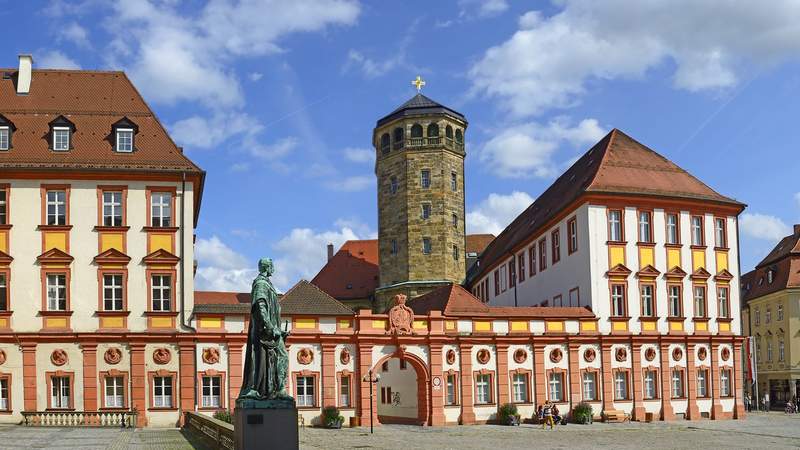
(494, 213)
(359, 155)
(352, 184)
(528, 150)
(763, 226)
(205, 132)
(54, 59)
(220, 268)
(76, 34)
(549, 61)
(484, 8)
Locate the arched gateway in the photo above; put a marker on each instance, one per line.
(403, 392)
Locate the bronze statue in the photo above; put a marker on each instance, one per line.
(266, 361)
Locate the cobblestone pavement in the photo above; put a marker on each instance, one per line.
(16, 437)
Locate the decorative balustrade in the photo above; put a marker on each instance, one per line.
(217, 431)
(121, 419)
(431, 141)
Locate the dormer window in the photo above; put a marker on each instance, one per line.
(124, 132)
(61, 130)
(6, 128)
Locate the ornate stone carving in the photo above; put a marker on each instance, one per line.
(401, 317)
(451, 357)
(483, 356)
(520, 356)
(621, 354)
(650, 354)
(112, 356)
(344, 356)
(2, 357)
(725, 353)
(162, 355)
(556, 354)
(59, 357)
(589, 354)
(211, 355)
(702, 353)
(677, 354)
(305, 356)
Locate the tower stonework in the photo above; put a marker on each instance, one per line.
(420, 173)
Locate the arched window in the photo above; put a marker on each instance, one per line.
(398, 137)
(385, 143)
(448, 132)
(459, 136)
(416, 131)
(433, 130)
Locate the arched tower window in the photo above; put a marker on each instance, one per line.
(398, 138)
(448, 132)
(433, 130)
(416, 134)
(459, 136)
(385, 143)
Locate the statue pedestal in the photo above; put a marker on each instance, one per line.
(265, 427)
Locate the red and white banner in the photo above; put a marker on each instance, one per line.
(751, 358)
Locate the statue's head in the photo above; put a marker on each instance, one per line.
(399, 299)
(265, 266)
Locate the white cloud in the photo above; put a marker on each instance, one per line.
(220, 268)
(528, 150)
(203, 132)
(255, 76)
(494, 213)
(270, 152)
(359, 155)
(485, 8)
(549, 61)
(54, 59)
(763, 226)
(373, 68)
(797, 198)
(351, 184)
(76, 34)
(304, 251)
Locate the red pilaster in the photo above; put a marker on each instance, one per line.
(539, 377)
(574, 377)
(692, 412)
(235, 371)
(608, 380)
(637, 393)
(467, 409)
(738, 376)
(89, 376)
(188, 382)
(364, 364)
(29, 375)
(437, 395)
(713, 376)
(138, 383)
(502, 374)
(328, 375)
(666, 379)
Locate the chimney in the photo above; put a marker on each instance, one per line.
(24, 74)
(797, 229)
(330, 251)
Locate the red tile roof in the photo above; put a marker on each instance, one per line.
(617, 164)
(352, 272)
(476, 243)
(783, 261)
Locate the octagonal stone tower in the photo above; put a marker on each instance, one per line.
(420, 170)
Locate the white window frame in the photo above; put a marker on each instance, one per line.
(617, 300)
(700, 304)
(451, 397)
(162, 392)
(61, 132)
(5, 137)
(305, 391)
(161, 287)
(615, 225)
(114, 392)
(3, 207)
(650, 384)
(344, 391)
(725, 383)
(425, 179)
(483, 394)
(719, 232)
(113, 283)
(648, 302)
(674, 298)
(676, 386)
(781, 350)
(589, 383)
(620, 385)
(769, 350)
(519, 388)
(124, 145)
(724, 302)
(697, 230)
(3, 292)
(702, 384)
(673, 236)
(211, 392)
(112, 208)
(4, 394)
(555, 391)
(645, 229)
(59, 216)
(161, 209)
(56, 285)
(59, 392)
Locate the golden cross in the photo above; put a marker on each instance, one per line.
(418, 83)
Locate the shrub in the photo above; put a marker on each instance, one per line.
(508, 414)
(582, 413)
(224, 415)
(331, 417)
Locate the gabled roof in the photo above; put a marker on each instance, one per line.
(617, 164)
(161, 256)
(306, 299)
(216, 302)
(112, 256)
(419, 104)
(477, 243)
(783, 261)
(352, 272)
(648, 271)
(55, 255)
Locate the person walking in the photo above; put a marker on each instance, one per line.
(547, 414)
(766, 401)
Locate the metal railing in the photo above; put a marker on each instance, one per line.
(219, 432)
(121, 419)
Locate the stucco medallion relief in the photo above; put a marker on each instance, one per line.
(211, 355)
(677, 354)
(520, 356)
(589, 355)
(556, 354)
(451, 357)
(112, 356)
(621, 354)
(650, 354)
(702, 353)
(483, 356)
(305, 356)
(59, 357)
(344, 356)
(725, 353)
(162, 355)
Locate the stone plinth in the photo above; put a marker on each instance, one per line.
(265, 425)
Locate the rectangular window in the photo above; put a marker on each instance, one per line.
(677, 384)
(673, 236)
(769, 350)
(648, 303)
(589, 386)
(532, 257)
(758, 316)
(4, 404)
(556, 238)
(124, 140)
(112, 292)
(455, 253)
(56, 292)
(780, 312)
(5, 142)
(555, 387)
(768, 316)
(211, 392)
(618, 300)
(3, 292)
(543, 254)
(519, 388)
(496, 283)
(403, 364)
(453, 181)
(393, 185)
(61, 139)
(56, 207)
(615, 225)
(780, 351)
(650, 384)
(572, 235)
(620, 386)
(59, 395)
(394, 247)
(724, 305)
(115, 392)
(112, 209)
(558, 300)
(503, 278)
(512, 273)
(455, 221)
(426, 211)
(574, 297)
(425, 179)
(305, 391)
(483, 389)
(674, 298)
(697, 230)
(699, 301)
(725, 383)
(645, 227)
(452, 390)
(702, 383)
(162, 392)
(161, 209)
(719, 233)
(426, 246)
(344, 391)
(3, 206)
(521, 268)
(161, 292)
(386, 395)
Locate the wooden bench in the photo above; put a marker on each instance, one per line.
(616, 416)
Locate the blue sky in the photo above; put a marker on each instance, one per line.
(277, 101)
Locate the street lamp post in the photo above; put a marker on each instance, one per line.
(371, 379)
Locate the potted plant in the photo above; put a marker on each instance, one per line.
(582, 413)
(331, 417)
(508, 415)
